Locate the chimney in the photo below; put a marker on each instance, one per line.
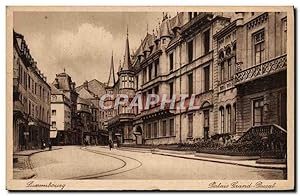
(86, 85)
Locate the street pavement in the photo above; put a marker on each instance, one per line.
(74, 162)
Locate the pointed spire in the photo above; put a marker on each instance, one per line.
(177, 23)
(111, 79)
(127, 64)
(147, 29)
(120, 67)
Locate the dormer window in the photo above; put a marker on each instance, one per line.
(190, 15)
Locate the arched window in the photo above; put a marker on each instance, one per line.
(234, 47)
(222, 119)
(228, 118)
(222, 67)
(221, 56)
(228, 51)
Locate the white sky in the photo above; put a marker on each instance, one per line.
(82, 42)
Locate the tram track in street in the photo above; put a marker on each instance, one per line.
(125, 167)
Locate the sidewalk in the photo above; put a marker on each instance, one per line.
(202, 157)
(22, 169)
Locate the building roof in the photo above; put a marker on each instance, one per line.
(94, 87)
(63, 80)
(81, 100)
(54, 90)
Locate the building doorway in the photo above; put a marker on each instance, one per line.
(139, 135)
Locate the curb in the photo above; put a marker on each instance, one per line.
(219, 161)
(30, 164)
(36, 152)
(135, 150)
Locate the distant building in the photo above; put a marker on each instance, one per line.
(60, 117)
(234, 64)
(31, 99)
(91, 92)
(63, 84)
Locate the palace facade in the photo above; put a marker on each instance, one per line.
(234, 63)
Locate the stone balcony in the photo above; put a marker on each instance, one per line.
(267, 68)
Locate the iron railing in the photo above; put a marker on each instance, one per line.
(266, 68)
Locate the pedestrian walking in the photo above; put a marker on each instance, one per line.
(43, 145)
(50, 145)
(110, 143)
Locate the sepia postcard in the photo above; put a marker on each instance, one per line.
(150, 98)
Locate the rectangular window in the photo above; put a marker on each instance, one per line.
(190, 84)
(32, 88)
(35, 87)
(156, 90)
(222, 74)
(284, 35)
(190, 125)
(150, 72)
(172, 130)
(229, 69)
(53, 112)
(258, 106)
(206, 41)
(25, 80)
(259, 47)
(206, 78)
(171, 61)
(155, 130)
(53, 124)
(149, 130)
(171, 89)
(156, 63)
(137, 82)
(164, 128)
(144, 76)
(29, 80)
(29, 107)
(190, 46)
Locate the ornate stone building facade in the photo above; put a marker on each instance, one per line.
(229, 62)
(31, 99)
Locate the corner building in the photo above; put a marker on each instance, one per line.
(31, 99)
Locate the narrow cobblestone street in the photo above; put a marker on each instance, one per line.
(74, 162)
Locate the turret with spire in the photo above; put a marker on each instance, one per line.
(127, 62)
(111, 78)
(126, 72)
